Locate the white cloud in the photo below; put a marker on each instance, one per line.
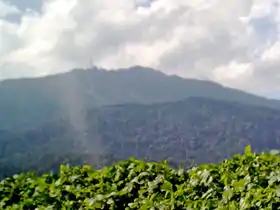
(234, 42)
(272, 53)
(7, 9)
(143, 3)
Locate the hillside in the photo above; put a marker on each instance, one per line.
(250, 181)
(200, 129)
(30, 103)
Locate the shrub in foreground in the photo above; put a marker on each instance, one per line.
(249, 181)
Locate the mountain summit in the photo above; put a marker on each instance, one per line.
(26, 103)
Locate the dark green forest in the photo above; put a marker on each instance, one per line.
(99, 117)
(195, 130)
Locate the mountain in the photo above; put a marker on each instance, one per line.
(31, 102)
(201, 129)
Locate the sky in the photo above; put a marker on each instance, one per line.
(233, 42)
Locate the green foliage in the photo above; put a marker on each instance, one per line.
(249, 181)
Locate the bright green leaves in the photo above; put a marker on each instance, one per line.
(248, 150)
(249, 181)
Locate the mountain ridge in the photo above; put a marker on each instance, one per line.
(28, 103)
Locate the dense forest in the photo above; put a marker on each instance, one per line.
(199, 130)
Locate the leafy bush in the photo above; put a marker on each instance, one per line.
(249, 181)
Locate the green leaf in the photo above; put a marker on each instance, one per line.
(248, 150)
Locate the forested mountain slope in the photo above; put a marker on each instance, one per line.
(200, 129)
(29, 103)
